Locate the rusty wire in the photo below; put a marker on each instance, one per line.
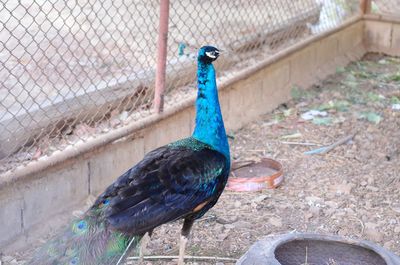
(73, 69)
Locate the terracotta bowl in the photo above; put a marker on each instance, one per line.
(255, 176)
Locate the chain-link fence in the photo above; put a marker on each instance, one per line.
(73, 69)
(386, 7)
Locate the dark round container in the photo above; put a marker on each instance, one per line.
(315, 249)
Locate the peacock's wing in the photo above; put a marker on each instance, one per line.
(170, 182)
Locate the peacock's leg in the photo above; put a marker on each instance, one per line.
(143, 244)
(187, 225)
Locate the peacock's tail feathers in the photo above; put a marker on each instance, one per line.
(87, 241)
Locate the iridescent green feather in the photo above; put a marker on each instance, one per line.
(189, 142)
(117, 244)
(87, 241)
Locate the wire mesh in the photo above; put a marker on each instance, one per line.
(71, 69)
(74, 69)
(386, 7)
(245, 29)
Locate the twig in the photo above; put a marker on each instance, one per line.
(300, 143)
(362, 224)
(306, 261)
(256, 150)
(186, 257)
(326, 149)
(224, 221)
(212, 217)
(233, 174)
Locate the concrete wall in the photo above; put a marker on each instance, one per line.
(382, 34)
(32, 206)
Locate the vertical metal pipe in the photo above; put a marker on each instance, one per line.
(365, 6)
(161, 56)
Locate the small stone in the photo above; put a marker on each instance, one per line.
(372, 188)
(315, 210)
(344, 188)
(396, 208)
(223, 236)
(237, 204)
(388, 245)
(260, 198)
(229, 226)
(329, 212)
(364, 183)
(275, 221)
(343, 232)
(370, 225)
(370, 180)
(397, 229)
(243, 225)
(374, 234)
(283, 206)
(332, 204)
(308, 216)
(313, 200)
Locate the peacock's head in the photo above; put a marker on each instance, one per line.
(208, 54)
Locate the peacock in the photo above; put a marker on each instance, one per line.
(181, 180)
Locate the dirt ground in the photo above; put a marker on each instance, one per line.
(350, 191)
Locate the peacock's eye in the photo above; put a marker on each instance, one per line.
(211, 54)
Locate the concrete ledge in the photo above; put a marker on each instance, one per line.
(63, 181)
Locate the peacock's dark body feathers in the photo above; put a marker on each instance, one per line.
(180, 180)
(169, 183)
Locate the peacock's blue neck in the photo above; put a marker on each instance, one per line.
(209, 123)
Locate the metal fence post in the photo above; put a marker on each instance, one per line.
(365, 6)
(161, 56)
